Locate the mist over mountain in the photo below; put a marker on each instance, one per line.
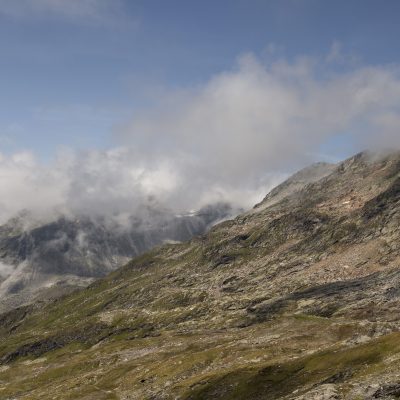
(199, 200)
(40, 260)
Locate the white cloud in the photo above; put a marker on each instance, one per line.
(6, 270)
(89, 11)
(94, 182)
(256, 118)
(229, 139)
(26, 184)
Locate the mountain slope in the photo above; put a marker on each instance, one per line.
(297, 300)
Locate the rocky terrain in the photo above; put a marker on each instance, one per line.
(297, 299)
(41, 260)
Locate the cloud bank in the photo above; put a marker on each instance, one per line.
(256, 117)
(231, 139)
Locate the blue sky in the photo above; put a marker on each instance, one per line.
(107, 103)
(69, 78)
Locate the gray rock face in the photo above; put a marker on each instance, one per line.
(50, 259)
(323, 392)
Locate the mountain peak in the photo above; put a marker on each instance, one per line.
(296, 182)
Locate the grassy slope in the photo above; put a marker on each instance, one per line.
(264, 307)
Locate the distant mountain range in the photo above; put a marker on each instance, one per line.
(45, 260)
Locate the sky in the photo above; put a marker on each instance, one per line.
(190, 101)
